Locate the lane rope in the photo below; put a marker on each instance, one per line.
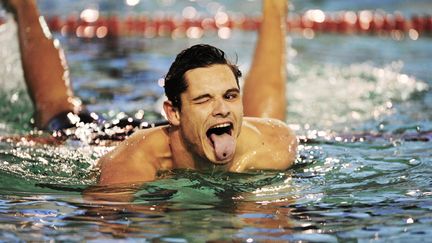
(308, 23)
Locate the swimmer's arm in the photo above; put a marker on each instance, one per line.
(134, 160)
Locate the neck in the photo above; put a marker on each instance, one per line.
(183, 156)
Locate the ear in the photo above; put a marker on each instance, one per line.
(172, 113)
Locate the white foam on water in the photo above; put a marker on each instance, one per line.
(338, 97)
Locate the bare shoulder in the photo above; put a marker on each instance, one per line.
(269, 128)
(138, 158)
(274, 146)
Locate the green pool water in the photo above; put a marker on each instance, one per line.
(377, 189)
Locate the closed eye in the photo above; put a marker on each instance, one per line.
(201, 99)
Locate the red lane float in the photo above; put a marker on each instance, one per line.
(315, 21)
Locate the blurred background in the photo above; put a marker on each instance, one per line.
(353, 67)
(247, 6)
(351, 63)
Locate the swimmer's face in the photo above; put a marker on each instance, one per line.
(212, 112)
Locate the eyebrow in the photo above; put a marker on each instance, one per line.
(233, 90)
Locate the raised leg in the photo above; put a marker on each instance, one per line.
(264, 88)
(45, 68)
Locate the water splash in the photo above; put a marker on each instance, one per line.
(71, 164)
(11, 74)
(339, 97)
(15, 105)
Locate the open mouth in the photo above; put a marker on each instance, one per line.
(220, 129)
(222, 140)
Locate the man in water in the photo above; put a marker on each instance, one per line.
(211, 126)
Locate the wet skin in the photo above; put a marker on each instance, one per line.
(243, 143)
(212, 98)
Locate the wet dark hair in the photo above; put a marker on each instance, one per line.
(197, 56)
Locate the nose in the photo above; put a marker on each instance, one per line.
(221, 108)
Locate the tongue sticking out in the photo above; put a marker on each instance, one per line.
(224, 145)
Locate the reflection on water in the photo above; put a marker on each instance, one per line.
(340, 189)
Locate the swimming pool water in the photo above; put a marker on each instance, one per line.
(378, 189)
